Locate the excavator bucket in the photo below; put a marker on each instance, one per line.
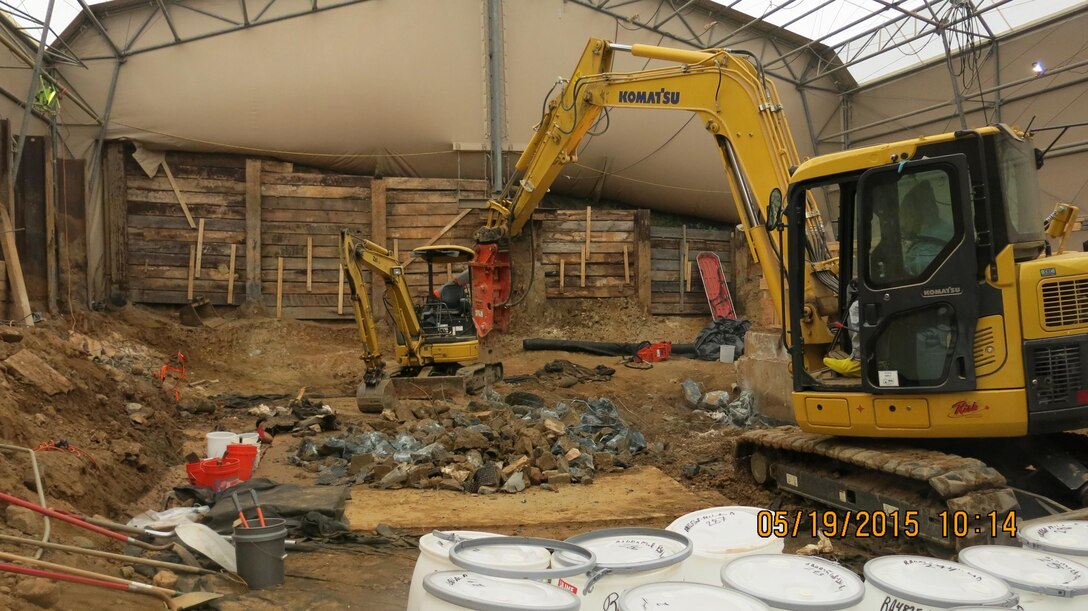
(200, 313)
(373, 399)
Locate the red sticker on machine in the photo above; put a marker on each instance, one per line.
(566, 586)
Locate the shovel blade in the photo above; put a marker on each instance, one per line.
(193, 599)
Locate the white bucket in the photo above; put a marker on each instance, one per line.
(218, 442)
(1043, 581)
(719, 535)
(1068, 539)
(924, 584)
(252, 439)
(455, 590)
(727, 353)
(681, 596)
(434, 556)
(626, 557)
(794, 583)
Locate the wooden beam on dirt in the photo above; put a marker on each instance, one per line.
(230, 274)
(378, 235)
(20, 303)
(589, 227)
(177, 194)
(309, 264)
(582, 282)
(642, 257)
(279, 288)
(562, 275)
(192, 272)
(199, 246)
(683, 261)
(51, 272)
(626, 266)
(340, 292)
(253, 230)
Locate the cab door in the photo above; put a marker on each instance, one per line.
(917, 276)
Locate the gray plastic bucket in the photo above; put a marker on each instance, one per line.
(260, 553)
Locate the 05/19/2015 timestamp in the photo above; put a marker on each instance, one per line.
(880, 524)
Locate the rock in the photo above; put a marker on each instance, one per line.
(395, 477)
(132, 408)
(487, 490)
(715, 399)
(517, 465)
(527, 399)
(466, 439)
(487, 475)
(403, 412)
(41, 420)
(559, 479)
(548, 487)
(359, 462)
(23, 520)
(516, 483)
(572, 454)
(165, 579)
(690, 470)
(41, 592)
(602, 461)
(451, 484)
(11, 336)
(128, 572)
(102, 399)
(692, 394)
(34, 370)
(546, 462)
(28, 476)
(535, 476)
(555, 426)
(138, 419)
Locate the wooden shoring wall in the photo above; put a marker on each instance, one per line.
(284, 213)
(563, 241)
(676, 285)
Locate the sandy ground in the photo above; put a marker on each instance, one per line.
(260, 355)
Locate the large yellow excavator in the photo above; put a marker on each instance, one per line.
(436, 343)
(968, 340)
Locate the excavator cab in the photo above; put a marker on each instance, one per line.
(446, 312)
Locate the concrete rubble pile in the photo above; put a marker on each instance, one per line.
(491, 446)
(735, 407)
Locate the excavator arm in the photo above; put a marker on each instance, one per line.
(738, 107)
(366, 254)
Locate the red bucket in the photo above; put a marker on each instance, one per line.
(195, 473)
(246, 453)
(219, 473)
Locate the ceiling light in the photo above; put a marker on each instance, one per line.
(1038, 68)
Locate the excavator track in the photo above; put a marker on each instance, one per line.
(426, 383)
(959, 501)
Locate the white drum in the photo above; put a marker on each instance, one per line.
(1068, 539)
(794, 583)
(626, 557)
(1044, 582)
(434, 556)
(683, 596)
(721, 534)
(458, 590)
(924, 584)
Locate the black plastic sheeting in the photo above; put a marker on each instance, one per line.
(314, 512)
(599, 348)
(718, 333)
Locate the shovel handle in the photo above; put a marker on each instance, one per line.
(11, 568)
(128, 584)
(64, 517)
(257, 504)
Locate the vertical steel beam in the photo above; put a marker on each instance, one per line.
(32, 90)
(494, 90)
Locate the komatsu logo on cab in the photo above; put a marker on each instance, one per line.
(661, 96)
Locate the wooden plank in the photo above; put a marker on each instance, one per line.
(211, 211)
(626, 267)
(135, 245)
(315, 191)
(20, 303)
(316, 180)
(562, 275)
(598, 269)
(333, 217)
(442, 232)
(187, 171)
(184, 235)
(578, 214)
(192, 265)
(420, 235)
(378, 233)
(253, 230)
(199, 245)
(279, 290)
(340, 291)
(416, 209)
(53, 287)
(316, 203)
(588, 230)
(598, 237)
(184, 185)
(176, 222)
(582, 282)
(282, 167)
(309, 264)
(423, 219)
(575, 248)
(435, 183)
(177, 194)
(305, 229)
(580, 226)
(692, 233)
(592, 292)
(230, 274)
(178, 275)
(167, 197)
(642, 257)
(683, 257)
(113, 185)
(421, 197)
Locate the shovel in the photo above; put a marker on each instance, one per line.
(80, 523)
(208, 542)
(171, 598)
(200, 313)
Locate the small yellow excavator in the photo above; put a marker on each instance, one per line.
(436, 342)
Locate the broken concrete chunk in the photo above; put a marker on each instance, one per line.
(517, 465)
(37, 372)
(555, 426)
(559, 479)
(692, 394)
(516, 483)
(466, 439)
(487, 475)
